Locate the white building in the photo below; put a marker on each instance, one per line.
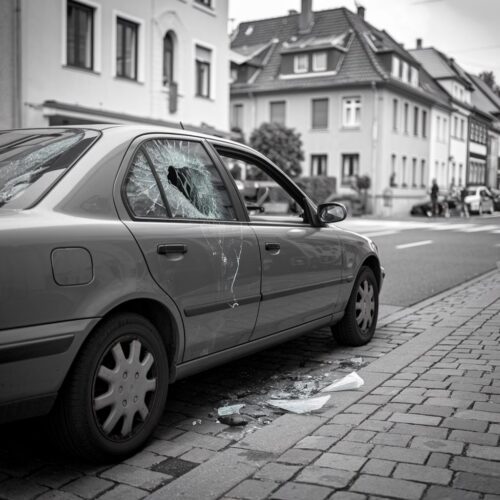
(148, 61)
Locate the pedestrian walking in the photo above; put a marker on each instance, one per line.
(464, 210)
(434, 198)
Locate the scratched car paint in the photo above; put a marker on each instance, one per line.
(130, 257)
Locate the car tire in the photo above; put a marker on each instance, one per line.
(115, 393)
(358, 325)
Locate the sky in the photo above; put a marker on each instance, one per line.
(467, 30)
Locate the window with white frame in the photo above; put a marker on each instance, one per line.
(203, 66)
(80, 35)
(415, 120)
(414, 172)
(424, 123)
(438, 128)
(395, 67)
(405, 117)
(395, 110)
(319, 61)
(319, 113)
(301, 63)
(414, 76)
(351, 111)
(350, 168)
(405, 72)
(319, 164)
(168, 58)
(422, 173)
(237, 116)
(277, 112)
(127, 34)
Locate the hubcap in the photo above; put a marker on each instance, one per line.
(365, 306)
(124, 388)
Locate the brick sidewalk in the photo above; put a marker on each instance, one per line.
(426, 424)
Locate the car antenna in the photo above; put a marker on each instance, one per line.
(182, 126)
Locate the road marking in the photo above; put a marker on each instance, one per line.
(379, 233)
(447, 227)
(414, 244)
(477, 229)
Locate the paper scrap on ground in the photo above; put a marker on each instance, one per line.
(347, 383)
(299, 405)
(229, 410)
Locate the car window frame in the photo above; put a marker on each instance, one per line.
(127, 163)
(277, 175)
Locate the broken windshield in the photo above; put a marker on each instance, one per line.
(31, 161)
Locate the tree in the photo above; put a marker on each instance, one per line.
(488, 77)
(281, 145)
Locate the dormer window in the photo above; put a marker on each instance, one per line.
(319, 62)
(301, 63)
(404, 71)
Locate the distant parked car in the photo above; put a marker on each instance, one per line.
(129, 258)
(496, 199)
(479, 199)
(446, 204)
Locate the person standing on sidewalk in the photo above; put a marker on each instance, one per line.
(434, 198)
(464, 210)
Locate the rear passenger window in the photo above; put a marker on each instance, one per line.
(182, 179)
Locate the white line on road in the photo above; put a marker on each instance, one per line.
(414, 244)
(479, 228)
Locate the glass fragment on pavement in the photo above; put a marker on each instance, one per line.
(347, 383)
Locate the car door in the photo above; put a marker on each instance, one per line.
(301, 263)
(185, 221)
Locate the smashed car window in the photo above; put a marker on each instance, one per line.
(32, 161)
(192, 185)
(142, 190)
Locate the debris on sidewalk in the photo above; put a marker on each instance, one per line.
(347, 383)
(299, 405)
(355, 363)
(230, 415)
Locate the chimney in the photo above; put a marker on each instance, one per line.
(419, 43)
(361, 11)
(306, 19)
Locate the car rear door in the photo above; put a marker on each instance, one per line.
(301, 263)
(186, 222)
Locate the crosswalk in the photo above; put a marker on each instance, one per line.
(377, 228)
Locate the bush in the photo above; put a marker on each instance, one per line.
(318, 188)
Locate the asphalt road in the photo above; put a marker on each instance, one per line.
(423, 257)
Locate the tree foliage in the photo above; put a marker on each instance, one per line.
(488, 77)
(281, 145)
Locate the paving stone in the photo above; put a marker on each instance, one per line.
(474, 437)
(332, 430)
(437, 411)
(88, 486)
(475, 465)
(198, 455)
(477, 482)
(168, 448)
(123, 492)
(464, 424)
(340, 461)
(359, 436)
(423, 474)
(487, 407)
(20, 489)
(440, 445)
(444, 493)
(485, 416)
(440, 460)
(296, 456)
(300, 491)
(363, 409)
(54, 476)
(399, 488)
(325, 476)
(351, 448)
(61, 495)
(375, 425)
(416, 419)
(486, 452)
(397, 454)
(144, 459)
(277, 472)
(347, 419)
(193, 440)
(136, 476)
(316, 443)
(471, 396)
(347, 495)
(419, 430)
(392, 439)
(378, 467)
(252, 489)
(375, 399)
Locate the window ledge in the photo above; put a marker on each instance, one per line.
(208, 10)
(319, 130)
(350, 128)
(82, 70)
(129, 80)
(205, 98)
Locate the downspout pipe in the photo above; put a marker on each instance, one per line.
(17, 73)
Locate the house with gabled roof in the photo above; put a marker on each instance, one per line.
(361, 102)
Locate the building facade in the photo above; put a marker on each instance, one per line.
(154, 61)
(362, 104)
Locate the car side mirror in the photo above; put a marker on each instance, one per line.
(331, 212)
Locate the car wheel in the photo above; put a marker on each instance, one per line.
(116, 391)
(360, 319)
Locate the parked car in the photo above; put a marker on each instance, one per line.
(128, 260)
(496, 199)
(479, 199)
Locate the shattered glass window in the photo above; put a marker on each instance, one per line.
(32, 161)
(142, 190)
(192, 185)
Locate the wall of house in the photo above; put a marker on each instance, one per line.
(46, 76)
(7, 65)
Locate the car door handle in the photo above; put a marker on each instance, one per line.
(170, 249)
(273, 247)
